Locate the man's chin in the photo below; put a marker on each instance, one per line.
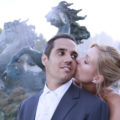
(67, 78)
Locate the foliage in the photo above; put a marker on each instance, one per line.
(9, 103)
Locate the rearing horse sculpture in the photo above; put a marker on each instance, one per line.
(65, 19)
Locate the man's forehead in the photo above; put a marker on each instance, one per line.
(63, 40)
(65, 43)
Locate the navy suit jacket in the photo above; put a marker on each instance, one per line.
(76, 104)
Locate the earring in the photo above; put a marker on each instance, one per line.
(94, 81)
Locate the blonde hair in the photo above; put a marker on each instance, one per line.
(108, 64)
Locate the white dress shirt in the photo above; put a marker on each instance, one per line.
(49, 101)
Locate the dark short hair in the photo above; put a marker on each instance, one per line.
(50, 44)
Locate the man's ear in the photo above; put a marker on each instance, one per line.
(44, 59)
(98, 79)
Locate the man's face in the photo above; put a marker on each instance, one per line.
(61, 65)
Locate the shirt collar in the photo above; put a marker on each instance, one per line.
(46, 89)
(60, 91)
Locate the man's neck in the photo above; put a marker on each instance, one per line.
(53, 85)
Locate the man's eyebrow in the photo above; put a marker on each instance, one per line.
(61, 49)
(76, 53)
(64, 49)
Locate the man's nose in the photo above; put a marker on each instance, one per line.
(68, 59)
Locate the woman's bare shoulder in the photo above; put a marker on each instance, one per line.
(115, 98)
(111, 92)
(112, 98)
(112, 95)
(114, 105)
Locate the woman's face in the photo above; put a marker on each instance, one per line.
(87, 66)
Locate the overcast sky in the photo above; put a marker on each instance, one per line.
(102, 15)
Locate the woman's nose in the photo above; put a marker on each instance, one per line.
(78, 60)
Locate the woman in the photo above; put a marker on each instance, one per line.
(97, 71)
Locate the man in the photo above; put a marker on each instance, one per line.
(60, 98)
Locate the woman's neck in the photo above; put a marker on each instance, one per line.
(91, 87)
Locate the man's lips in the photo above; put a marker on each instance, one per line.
(67, 68)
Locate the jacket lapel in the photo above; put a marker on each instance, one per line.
(68, 101)
(34, 109)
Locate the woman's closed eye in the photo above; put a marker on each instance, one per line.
(85, 61)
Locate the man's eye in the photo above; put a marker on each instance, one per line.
(74, 56)
(60, 53)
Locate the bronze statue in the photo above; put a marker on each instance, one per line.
(65, 19)
(18, 72)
